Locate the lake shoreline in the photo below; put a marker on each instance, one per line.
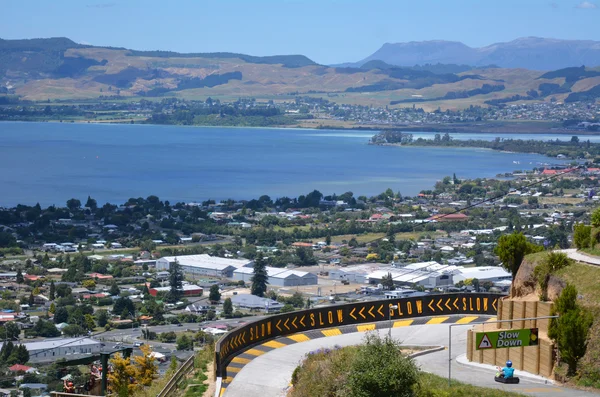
(438, 128)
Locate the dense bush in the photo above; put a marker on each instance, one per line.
(570, 330)
(553, 262)
(581, 235)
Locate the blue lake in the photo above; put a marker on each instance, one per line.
(52, 162)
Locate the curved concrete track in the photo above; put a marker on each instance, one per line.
(269, 374)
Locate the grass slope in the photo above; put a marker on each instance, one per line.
(586, 279)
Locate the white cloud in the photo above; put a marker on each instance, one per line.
(586, 5)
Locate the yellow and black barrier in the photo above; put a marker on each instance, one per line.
(354, 313)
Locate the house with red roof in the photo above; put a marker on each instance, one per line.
(549, 172)
(22, 368)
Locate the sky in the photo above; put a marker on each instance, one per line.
(327, 31)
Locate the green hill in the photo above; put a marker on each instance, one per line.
(59, 68)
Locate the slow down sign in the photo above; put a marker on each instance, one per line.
(510, 338)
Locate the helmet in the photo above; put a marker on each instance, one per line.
(509, 363)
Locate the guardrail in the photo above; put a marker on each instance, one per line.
(171, 385)
(271, 327)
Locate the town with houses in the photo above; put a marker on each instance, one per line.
(83, 280)
(576, 116)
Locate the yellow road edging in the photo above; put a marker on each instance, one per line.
(298, 338)
(402, 323)
(331, 332)
(466, 320)
(437, 320)
(365, 327)
(274, 344)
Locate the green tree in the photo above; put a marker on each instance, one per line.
(511, 250)
(260, 278)
(20, 279)
(52, 293)
(19, 355)
(114, 289)
(6, 350)
(210, 315)
(31, 300)
(388, 281)
(123, 305)
(91, 204)
(89, 322)
(287, 308)
(102, 318)
(73, 330)
(214, 295)
(10, 331)
(570, 330)
(227, 307)
(176, 282)
(184, 342)
(61, 315)
(596, 217)
(73, 204)
(305, 257)
(582, 235)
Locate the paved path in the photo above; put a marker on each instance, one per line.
(268, 375)
(581, 257)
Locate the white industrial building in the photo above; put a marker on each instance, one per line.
(434, 275)
(482, 273)
(203, 265)
(278, 276)
(354, 275)
(61, 348)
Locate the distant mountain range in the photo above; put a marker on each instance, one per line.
(532, 53)
(439, 74)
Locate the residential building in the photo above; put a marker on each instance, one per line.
(188, 290)
(247, 301)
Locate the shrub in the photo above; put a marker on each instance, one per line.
(570, 330)
(581, 235)
(553, 262)
(595, 236)
(596, 217)
(381, 370)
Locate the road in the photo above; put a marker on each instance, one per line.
(581, 257)
(268, 375)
